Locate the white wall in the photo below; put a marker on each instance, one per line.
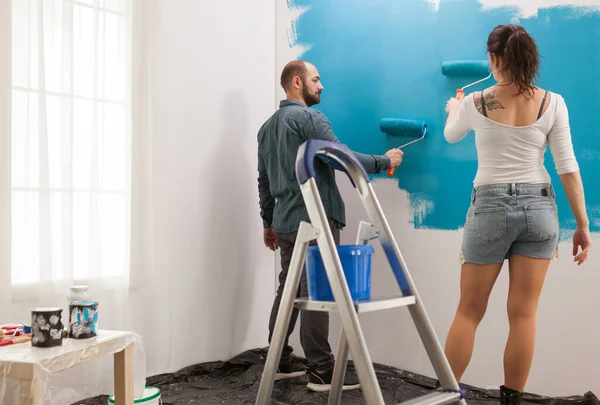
(567, 349)
(207, 88)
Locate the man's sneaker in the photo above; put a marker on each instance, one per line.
(321, 382)
(292, 370)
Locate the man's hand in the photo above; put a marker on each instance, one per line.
(395, 156)
(270, 238)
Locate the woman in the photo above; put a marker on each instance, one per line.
(512, 215)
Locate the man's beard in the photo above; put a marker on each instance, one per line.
(310, 99)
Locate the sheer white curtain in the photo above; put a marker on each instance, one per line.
(70, 146)
(90, 139)
(72, 163)
(5, 99)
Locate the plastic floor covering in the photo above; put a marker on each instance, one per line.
(236, 382)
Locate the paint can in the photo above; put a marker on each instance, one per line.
(77, 293)
(151, 396)
(46, 327)
(83, 319)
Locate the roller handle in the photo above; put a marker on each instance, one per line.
(460, 93)
(391, 171)
(309, 150)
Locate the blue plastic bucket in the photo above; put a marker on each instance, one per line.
(356, 263)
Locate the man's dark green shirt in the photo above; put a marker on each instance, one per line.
(281, 204)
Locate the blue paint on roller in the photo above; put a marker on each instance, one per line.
(466, 68)
(382, 59)
(402, 127)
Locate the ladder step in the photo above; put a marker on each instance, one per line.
(435, 398)
(361, 307)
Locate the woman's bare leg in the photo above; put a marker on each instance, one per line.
(476, 284)
(527, 277)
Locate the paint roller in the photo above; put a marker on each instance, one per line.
(466, 68)
(403, 127)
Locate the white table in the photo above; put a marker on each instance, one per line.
(25, 371)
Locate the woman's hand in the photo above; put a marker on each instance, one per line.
(581, 239)
(452, 105)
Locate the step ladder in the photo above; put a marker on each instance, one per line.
(351, 336)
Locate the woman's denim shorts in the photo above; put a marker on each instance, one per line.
(506, 219)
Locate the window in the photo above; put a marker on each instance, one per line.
(71, 139)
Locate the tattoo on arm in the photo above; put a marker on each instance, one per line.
(490, 102)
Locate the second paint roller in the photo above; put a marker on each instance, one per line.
(466, 68)
(403, 127)
(416, 128)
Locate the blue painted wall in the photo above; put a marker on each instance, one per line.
(382, 58)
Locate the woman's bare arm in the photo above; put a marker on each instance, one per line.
(573, 187)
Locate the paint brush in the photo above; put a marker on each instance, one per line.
(20, 339)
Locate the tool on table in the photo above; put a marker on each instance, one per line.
(13, 329)
(20, 339)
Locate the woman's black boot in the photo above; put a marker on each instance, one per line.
(509, 396)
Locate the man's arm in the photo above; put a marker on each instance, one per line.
(266, 200)
(320, 128)
(267, 205)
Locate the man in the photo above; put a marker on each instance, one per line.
(282, 208)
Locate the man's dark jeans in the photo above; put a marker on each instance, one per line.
(314, 325)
